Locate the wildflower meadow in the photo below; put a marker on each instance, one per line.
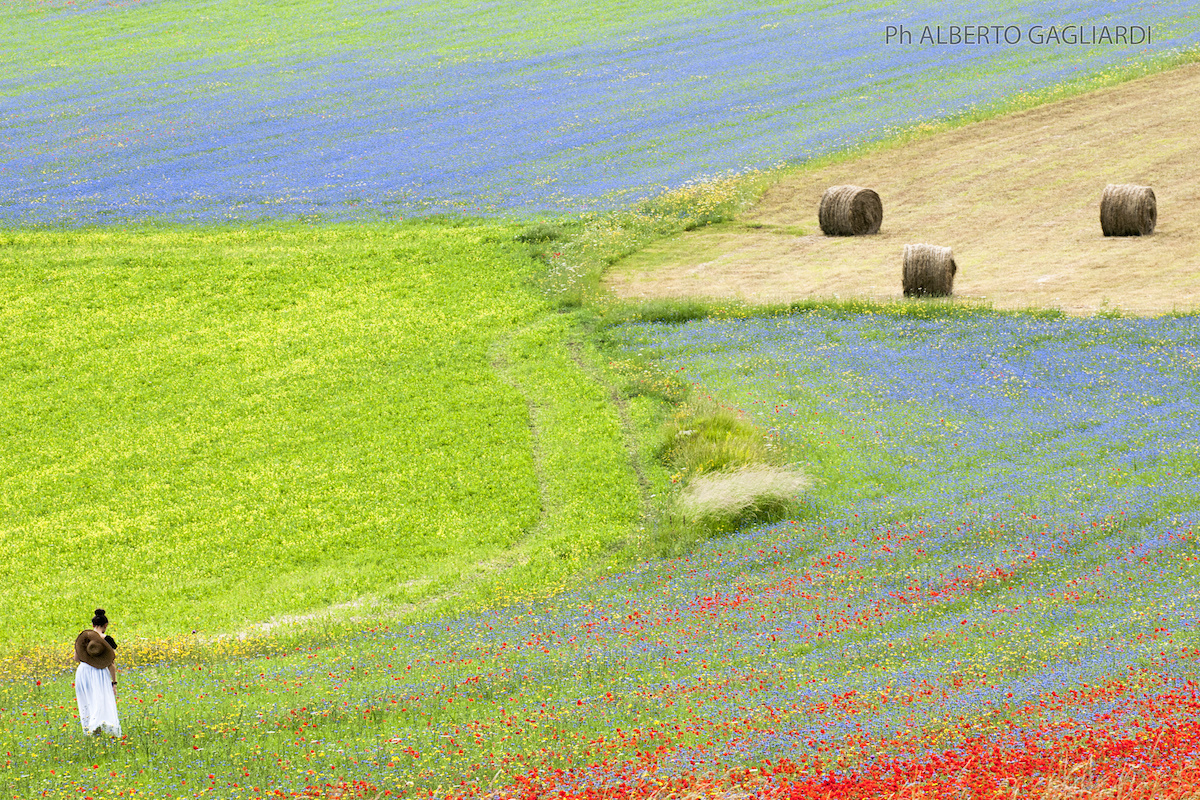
(384, 501)
(990, 594)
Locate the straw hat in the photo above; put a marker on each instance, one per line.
(91, 649)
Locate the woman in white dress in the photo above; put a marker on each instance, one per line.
(96, 678)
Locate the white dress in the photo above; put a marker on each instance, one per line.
(97, 702)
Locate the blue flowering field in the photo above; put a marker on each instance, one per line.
(971, 410)
(200, 110)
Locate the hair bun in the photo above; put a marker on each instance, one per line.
(100, 612)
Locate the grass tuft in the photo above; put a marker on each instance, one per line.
(541, 232)
(717, 503)
(724, 464)
(747, 494)
(643, 378)
(706, 437)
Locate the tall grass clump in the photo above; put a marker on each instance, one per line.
(726, 467)
(715, 503)
(705, 437)
(711, 468)
(642, 378)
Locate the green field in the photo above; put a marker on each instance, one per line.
(208, 428)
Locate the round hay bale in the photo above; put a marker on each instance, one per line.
(850, 211)
(928, 270)
(1127, 209)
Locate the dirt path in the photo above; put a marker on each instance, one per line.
(1017, 197)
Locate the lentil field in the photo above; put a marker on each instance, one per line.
(210, 430)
